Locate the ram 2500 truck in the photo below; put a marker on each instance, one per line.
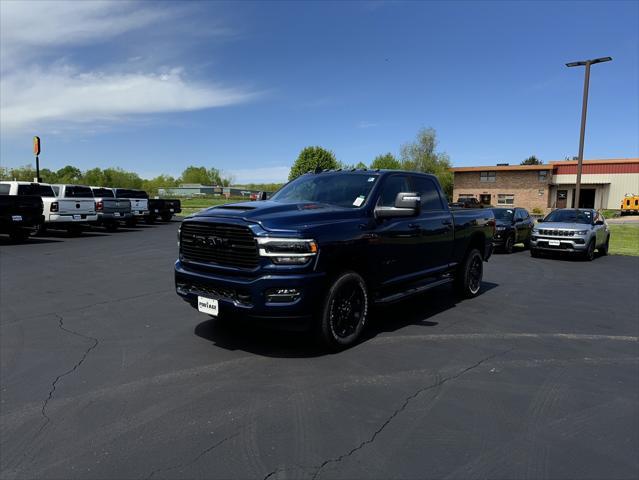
(111, 211)
(327, 247)
(139, 203)
(19, 214)
(163, 208)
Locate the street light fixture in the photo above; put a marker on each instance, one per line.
(584, 108)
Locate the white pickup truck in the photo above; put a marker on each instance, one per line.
(139, 203)
(73, 209)
(67, 207)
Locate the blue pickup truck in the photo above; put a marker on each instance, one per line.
(327, 247)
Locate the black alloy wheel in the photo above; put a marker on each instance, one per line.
(345, 311)
(470, 274)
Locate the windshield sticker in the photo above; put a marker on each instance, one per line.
(359, 200)
(371, 179)
(509, 211)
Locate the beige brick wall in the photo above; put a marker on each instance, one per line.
(525, 186)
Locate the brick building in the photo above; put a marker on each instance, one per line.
(603, 184)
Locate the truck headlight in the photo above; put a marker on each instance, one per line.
(581, 232)
(287, 251)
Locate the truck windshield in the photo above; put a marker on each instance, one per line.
(102, 192)
(78, 191)
(503, 213)
(570, 216)
(36, 189)
(343, 190)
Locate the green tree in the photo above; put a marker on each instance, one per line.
(117, 177)
(311, 158)
(387, 161)
(95, 177)
(532, 160)
(420, 156)
(151, 186)
(69, 174)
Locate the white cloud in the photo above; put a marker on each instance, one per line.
(276, 174)
(39, 87)
(34, 97)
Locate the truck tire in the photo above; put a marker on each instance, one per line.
(149, 219)
(111, 226)
(534, 252)
(40, 229)
(131, 222)
(344, 312)
(470, 274)
(167, 217)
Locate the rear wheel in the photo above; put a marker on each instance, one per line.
(131, 222)
(470, 274)
(589, 255)
(603, 250)
(111, 227)
(344, 312)
(40, 229)
(167, 217)
(149, 219)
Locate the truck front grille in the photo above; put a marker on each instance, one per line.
(220, 244)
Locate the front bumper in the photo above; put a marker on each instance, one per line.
(246, 296)
(559, 244)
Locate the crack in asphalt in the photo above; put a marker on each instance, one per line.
(195, 459)
(440, 381)
(54, 384)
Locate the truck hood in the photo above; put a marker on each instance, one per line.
(276, 215)
(562, 226)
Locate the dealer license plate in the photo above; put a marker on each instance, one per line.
(170, 209)
(554, 243)
(207, 305)
(16, 218)
(77, 217)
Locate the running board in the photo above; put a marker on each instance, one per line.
(413, 291)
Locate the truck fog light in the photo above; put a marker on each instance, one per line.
(290, 260)
(282, 295)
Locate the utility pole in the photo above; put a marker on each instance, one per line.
(584, 109)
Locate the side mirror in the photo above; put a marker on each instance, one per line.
(261, 196)
(540, 220)
(406, 205)
(599, 222)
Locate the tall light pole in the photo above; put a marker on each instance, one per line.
(584, 108)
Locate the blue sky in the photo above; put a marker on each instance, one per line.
(154, 87)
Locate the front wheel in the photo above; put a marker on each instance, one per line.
(510, 242)
(344, 312)
(470, 274)
(18, 235)
(590, 251)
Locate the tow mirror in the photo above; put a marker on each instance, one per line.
(599, 222)
(406, 205)
(262, 195)
(540, 220)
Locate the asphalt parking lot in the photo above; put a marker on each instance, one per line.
(106, 373)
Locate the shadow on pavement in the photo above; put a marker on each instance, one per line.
(250, 336)
(30, 240)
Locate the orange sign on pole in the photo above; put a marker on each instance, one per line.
(36, 146)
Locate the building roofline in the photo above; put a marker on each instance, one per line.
(548, 166)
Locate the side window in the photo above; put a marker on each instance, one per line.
(525, 215)
(393, 186)
(430, 198)
(56, 190)
(4, 188)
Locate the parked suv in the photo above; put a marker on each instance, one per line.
(578, 231)
(514, 225)
(327, 247)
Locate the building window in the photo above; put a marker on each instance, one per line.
(487, 176)
(543, 175)
(505, 199)
(466, 195)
